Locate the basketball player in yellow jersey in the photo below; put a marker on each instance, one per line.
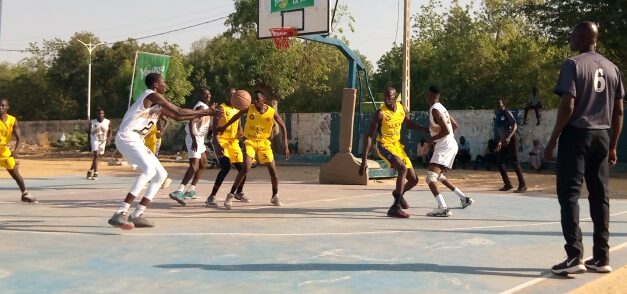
(8, 128)
(259, 121)
(228, 150)
(388, 121)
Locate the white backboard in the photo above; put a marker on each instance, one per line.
(308, 17)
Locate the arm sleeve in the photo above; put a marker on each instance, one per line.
(566, 83)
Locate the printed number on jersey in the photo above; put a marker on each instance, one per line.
(599, 81)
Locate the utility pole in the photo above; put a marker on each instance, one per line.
(406, 53)
(90, 48)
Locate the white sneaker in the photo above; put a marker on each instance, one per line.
(275, 201)
(228, 202)
(440, 212)
(166, 183)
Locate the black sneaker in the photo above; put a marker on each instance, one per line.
(598, 265)
(521, 189)
(396, 211)
(569, 266)
(211, 202)
(506, 188)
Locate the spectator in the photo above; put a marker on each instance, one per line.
(489, 157)
(463, 154)
(536, 155)
(535, 104)
(423, 151)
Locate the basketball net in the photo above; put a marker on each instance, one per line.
(281, 36)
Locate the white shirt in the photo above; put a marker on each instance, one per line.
(99, 129)
(434, 128)
(202, 125)
(140, 119)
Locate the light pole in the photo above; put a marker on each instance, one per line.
(90, 48)
(406, 53)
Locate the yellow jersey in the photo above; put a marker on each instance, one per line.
(6, 131)
(231, 131)
(259, 126)
(390, 131)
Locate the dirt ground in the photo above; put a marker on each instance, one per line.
(539, 184)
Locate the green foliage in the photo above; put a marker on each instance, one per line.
(557, 17)
(475, 58)
(74, 141)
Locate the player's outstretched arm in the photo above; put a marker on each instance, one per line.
(412, 124)
(178, 113)
(232, 120)
(376, 120)
(279, 121)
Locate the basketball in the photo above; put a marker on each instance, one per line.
(241, 100)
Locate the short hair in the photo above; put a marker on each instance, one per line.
(5, 100)
(391, 89)
(151, 78)
(257, 92)
(434, 89)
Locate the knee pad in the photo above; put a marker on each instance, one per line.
(432, 177)
(441, 178)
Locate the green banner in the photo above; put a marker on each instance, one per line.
(145, 64)
(283, 5)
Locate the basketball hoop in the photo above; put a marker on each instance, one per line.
(281, 36)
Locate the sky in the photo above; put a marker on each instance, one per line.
(26, 21)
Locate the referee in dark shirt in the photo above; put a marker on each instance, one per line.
(507, 147)
(589, 121)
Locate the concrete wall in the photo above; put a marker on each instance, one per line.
(316, 135)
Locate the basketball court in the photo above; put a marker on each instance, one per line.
(326, 239)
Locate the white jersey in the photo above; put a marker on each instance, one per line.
(139, 119)
(445, 148)
(99, 129)
(202, 125)
(434, 128)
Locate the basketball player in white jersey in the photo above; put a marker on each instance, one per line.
(99, 137)
(441, 127)
(196, 131)
(139, 119)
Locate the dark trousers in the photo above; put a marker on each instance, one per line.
(536, 108)
(583, 154)
(507, 154)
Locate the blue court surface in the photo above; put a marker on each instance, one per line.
(326, 239)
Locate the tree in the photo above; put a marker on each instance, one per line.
(557, 17)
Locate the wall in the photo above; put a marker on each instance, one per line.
(315, 136)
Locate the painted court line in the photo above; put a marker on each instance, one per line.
(549, 274)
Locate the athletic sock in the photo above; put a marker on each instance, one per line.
(240, 189)
(192, 188)
(397, 198)
(138, 211)
(181, 188)
(440, 200)
(459, 193)
(274, 192)
(124, 207)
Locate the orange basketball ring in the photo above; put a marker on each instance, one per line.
(281, 36)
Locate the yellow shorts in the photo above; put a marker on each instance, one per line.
(6, 160)
(261, 147)
(388, 152)
(231, 149)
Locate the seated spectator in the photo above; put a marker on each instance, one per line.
(463, 154)
(536, 155)
(488, 157)
(423, 152)
(535, 104)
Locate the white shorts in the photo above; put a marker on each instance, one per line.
(98, 146)
(444, 152)
(131, 146)
(200, 140)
